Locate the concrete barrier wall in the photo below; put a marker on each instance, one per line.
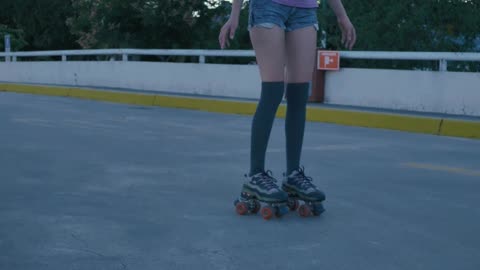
(439, 92)
(203, 79)
(424, 91)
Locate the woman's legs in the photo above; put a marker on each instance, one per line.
(269, 46)
(300, 66)
(300, 61)
(274, 49)
(270, 51)
(300, 54)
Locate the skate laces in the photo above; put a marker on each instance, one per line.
(301, 179)
(266, 180)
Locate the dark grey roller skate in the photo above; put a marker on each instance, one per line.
(262, 188)
(300, 188)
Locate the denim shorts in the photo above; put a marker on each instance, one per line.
(268, 14)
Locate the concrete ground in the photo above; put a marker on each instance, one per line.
(92, 185)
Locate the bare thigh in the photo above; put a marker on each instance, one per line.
(300, 54)
(269, 46)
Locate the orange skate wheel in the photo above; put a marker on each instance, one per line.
(304, 211)
(267, 212)
(241, 208)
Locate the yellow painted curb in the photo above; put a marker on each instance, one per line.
(466, 129)
(374, 120)
(221, 106)
(34, 89)
(447, 127)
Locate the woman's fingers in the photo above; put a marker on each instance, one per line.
(232, 31)
(224, 33)
(221, 37)
(349, 36)
(227, 32)
(344, 35)
(353, 38)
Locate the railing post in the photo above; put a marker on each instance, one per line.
(202, 59)
(14, 58)
(323, 39)
(443, 65)
(124, 57)
(64, 58)
(7, 48)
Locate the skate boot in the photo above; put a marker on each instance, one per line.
(300, 188)
(262, 188)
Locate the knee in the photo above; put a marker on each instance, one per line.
(272, 93)
(298, 93)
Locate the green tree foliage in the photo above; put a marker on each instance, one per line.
(166, 24)
(41, 22)
(144, 23)
(382, 25)
(412, 25)
(17, 40)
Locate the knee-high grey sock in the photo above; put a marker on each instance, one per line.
(297, 97)
(270, 99)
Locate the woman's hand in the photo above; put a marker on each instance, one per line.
(227, 32)
(349, 35)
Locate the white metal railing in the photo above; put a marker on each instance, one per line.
(441, 57)
(125, 53)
